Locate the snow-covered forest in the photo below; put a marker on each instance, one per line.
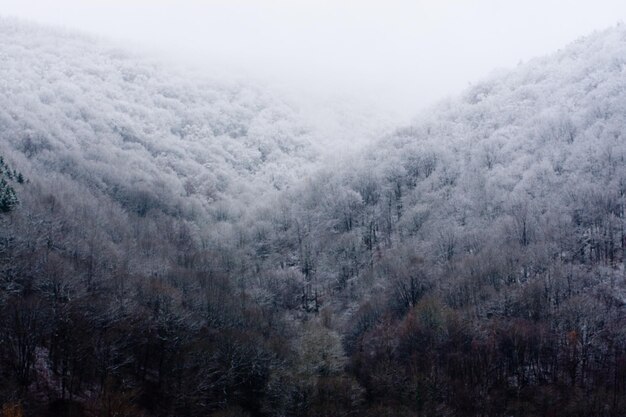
(174, 245)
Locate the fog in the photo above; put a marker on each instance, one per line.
(398, 55)
(173, 243)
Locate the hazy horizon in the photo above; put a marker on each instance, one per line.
(402, 57)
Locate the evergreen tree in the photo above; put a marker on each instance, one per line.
(8, 198)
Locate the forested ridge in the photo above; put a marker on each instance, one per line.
(171, 246)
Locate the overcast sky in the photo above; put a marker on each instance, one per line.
(402, 54)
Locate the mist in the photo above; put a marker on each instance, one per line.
(312, 209)
(400, 56)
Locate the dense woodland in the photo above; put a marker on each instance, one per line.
(177, 247)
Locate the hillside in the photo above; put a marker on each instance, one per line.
(146, 137)
(185, 247)
(479, 252)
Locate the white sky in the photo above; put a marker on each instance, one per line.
(403, 55)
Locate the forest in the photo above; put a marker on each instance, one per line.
(176, 246)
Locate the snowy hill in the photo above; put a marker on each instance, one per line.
(147, 137)
(173, 246)
(530, 159)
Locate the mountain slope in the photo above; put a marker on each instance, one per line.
(535, 151)
(144, 136)
(475, 259)
(184, 248)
